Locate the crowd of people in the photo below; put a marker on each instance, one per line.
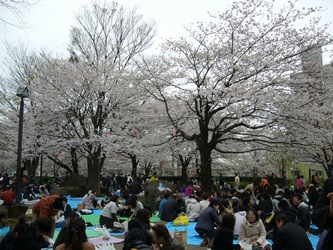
(252, 215)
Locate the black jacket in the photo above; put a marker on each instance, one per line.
(224, 240)
(291, 236)
(170, 211)
(320, 215)
(137, 244)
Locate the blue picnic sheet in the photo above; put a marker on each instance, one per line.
(193, 237)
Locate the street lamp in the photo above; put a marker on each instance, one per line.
(22, 92)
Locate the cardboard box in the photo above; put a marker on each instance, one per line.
(80, 207)
(181, 236)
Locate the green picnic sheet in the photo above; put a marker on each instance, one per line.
(153, 219)
(91, 233)
(94, 219)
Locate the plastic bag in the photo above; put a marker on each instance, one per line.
(245, 245)
(181, 221)
(105, 233)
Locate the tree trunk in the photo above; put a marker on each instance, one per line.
(31, 166)
(74, 160)
(95, 164)
(135, 163)
(206, 170)
(184, 163)
(94, 174)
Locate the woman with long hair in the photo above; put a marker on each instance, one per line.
(224, 236)
(75, 237)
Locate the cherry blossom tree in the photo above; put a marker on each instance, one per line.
(90, 89)
(309, 127)
(227, 74)
(15, 8)
(76, 104)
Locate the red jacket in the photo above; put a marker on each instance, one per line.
(44, 207)
(8, 197)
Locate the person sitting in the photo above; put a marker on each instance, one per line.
(106, 199)
(134, 204)
(204, 203)
(136, 223)
(189, 189)
(28, 193)
(289, 235)
(226, 208)
(135, 239)
(43, 192)
(303, 216)
(192, 208)
(170, 210)
(224, 235)
(253, 232)
(265, 202)
(322, 216)
(313, 196)
(207, 220)
(143, 216)
(62, 215)
(92, 200)
(61, 235)
(239, 217)
(85, 198)
(163, 240)
(22, 238)
(158, 201)
(109, 212)
(8, 196)
(67, 209)
(284, 208)
(167, 194)
(75, 236)
(37, 231)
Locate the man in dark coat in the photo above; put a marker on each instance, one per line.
(322, 215)
(207, 220)
(170, 210)
(290, 236)
(303, 216)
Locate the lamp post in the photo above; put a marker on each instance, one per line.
(22, 92)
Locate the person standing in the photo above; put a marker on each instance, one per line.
(221, 180)
(154, 177)
(237, 181)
